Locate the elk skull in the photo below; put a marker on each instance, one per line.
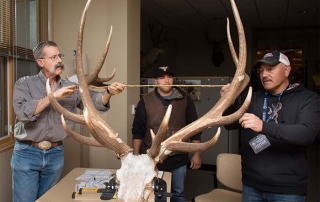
(137, 173)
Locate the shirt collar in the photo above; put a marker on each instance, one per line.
(44, 79)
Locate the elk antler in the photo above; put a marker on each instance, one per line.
(214, 116)
(156, 33)
(99, 129)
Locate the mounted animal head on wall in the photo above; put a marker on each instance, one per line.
(158, 35)
(138, 173)
(217, 57)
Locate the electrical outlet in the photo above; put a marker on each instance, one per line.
(133, 109)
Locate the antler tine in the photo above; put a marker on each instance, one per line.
(100, 81)
(194, 147)
(242, 37)
(206, 36)
(232, 50)
(214, 116)
(153, 38)
(93, 76)
(157, 139)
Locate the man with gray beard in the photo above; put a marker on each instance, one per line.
(38, 155)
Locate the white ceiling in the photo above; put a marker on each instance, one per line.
(282, 18)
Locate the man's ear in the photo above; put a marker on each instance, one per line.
(287, 70)
(40, 63)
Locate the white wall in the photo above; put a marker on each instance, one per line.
(123, 55)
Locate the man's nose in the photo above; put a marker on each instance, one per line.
(263, 73)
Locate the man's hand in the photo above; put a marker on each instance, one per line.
(113, 89)
(61, 93)
(65, 91)
(251, 121)
(196, 161)
(116, 88)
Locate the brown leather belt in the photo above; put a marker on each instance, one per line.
(44, 145)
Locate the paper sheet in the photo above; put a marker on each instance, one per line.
(94, 178)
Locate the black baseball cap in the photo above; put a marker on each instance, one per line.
(272, 59)
(165, 70)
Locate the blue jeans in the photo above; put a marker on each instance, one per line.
(250, 194)
(34, 171)
(177, 184)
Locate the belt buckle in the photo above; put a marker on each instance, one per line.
(44, 145)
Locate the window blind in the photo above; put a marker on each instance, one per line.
(23, 24)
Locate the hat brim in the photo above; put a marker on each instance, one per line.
(160, 75)
(270, 62)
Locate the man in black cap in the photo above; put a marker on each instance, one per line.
(281, 121)
(149, 114)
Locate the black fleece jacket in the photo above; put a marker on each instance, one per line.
(282, 167)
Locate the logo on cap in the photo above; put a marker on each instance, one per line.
(164, 68)
(268, 55)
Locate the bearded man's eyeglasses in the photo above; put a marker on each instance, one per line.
(55, 57)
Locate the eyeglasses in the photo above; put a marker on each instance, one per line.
(55, 57)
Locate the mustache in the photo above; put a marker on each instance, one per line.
(59, 64)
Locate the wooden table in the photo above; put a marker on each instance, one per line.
(63, 190)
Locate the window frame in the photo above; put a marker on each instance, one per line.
(7, 141)
(12, 52)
